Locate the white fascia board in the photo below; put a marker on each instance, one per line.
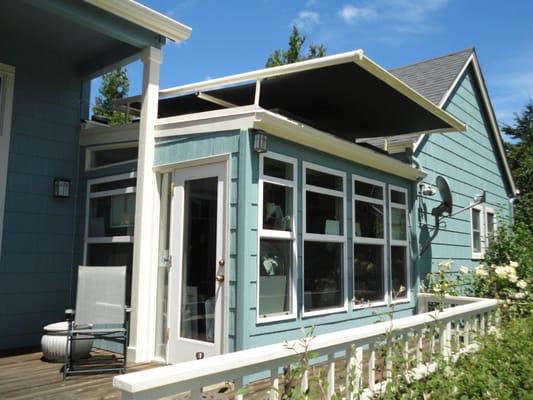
(145, 17)
(294, 131)
(109, 134)
(385, 76)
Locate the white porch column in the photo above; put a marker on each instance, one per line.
(144, 277)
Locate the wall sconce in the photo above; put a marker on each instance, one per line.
(260, 142)
(61, 188)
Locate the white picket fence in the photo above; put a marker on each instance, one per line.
(422, 338)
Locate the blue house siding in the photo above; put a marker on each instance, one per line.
(470, 161)
(37, 247)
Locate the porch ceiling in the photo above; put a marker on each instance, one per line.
(351, 99)
(75, 32)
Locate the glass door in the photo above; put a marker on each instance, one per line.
(197, 276)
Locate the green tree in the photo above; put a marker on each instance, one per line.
(294, 52)
(115, 85)
(520, 155)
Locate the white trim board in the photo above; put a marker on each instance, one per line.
(145, 17)
(7, 89)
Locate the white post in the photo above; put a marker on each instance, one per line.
(331, 375)
(144, 274)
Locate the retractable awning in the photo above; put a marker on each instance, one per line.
(346, 94)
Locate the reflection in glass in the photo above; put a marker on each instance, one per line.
(324, 214)
(397, 197)
(324, 180)
(199, 259)
(277, 207)
(274, 277)
(112, 215)
(399, 271)
(398, 224)
(277, 169)
(113, 156)
(368, 220)
(368, 190)
(323, 275)
(368, 273)
(112, 185)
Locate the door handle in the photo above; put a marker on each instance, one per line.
(220, 278)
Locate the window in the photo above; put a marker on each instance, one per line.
(482, 227)
(399, 243)
(277, 237)
(110, 155)
(490, 223)
(324, 239)
(110, 222)
(369, 241)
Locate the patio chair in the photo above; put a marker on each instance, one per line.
(101, 314)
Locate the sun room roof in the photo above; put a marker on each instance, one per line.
(347, 95)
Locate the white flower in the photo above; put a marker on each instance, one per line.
(436, 288)
(481, 271)
(510, 270)
(513, 264)
(512, 278)
(519, 296)
(463, 269)
(444, 266)
(522, 284)
(501, 272)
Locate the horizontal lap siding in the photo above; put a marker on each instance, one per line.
(36, 255)
(470, 161)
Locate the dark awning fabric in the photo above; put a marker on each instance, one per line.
(342, 99)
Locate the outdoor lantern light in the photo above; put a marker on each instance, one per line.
(61, 188)
(260, 142)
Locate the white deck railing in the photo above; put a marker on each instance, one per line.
(422, 338)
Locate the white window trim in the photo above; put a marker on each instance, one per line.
(273, 234)
(374, 241)
(90, 150)
(104, 239)
(7, 87)
(477, 255)
(311, 237)
(403, 243)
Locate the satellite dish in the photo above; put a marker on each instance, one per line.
(446, 205)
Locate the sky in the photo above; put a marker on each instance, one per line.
(236, 36)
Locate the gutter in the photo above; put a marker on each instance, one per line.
(145, 17)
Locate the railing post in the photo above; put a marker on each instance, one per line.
(482, 328)
(354, 369)
(466, 333)
(274, 383)
(448, 341)
(419, 347)
(371, 366)
(238, 387)
(405, 350)
(305, 381)
(388, 361)
(196, 394)
(331, 375)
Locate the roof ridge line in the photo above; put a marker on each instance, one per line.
(471, 49)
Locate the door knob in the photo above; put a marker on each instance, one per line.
(220, 278)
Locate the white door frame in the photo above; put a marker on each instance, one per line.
(183, 349)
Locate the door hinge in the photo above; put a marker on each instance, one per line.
(167, 335)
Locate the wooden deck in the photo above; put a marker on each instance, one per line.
(28, 377)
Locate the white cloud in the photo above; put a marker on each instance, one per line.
(311, 3)
(413, 11)
(350, 13)
(306, 20)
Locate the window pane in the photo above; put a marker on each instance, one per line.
(475, 219)
(111, 156)
(112, 215)
(399, 271)
(322, 179)
(398, 224)
(368, 273)
(368, 220)
(477, 241)
(277, 207)
(277, 169)
(124, 183)
(323, 275)
(397, 197)
(113, 254)
(324, 214)
(275, 276)
(368, 190)
(490, 223)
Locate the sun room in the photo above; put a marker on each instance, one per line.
(264, 216)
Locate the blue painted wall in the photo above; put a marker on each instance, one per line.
(37, 248)
(243, 330)
(470, 161)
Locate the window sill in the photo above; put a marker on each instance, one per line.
(277, 318)
(328, 311)
(373, 304)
